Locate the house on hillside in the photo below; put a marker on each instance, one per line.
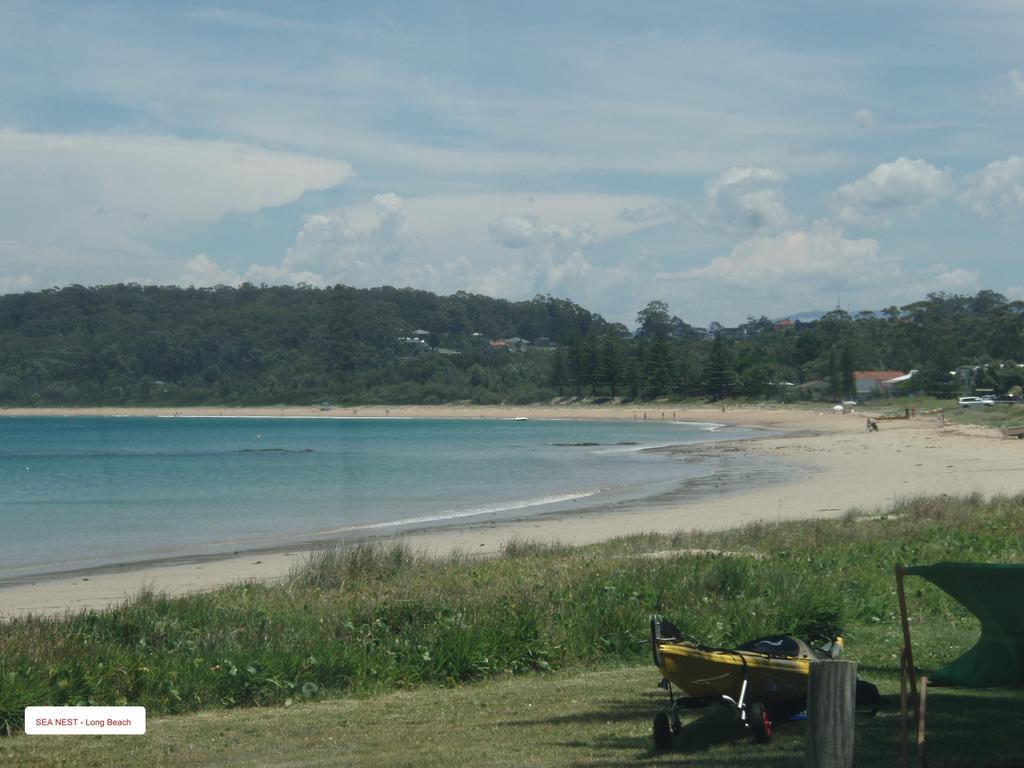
(414, 344)
(516, 344)
(901, 384)
(873, 383)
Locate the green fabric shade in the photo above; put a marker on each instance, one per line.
(995, 594)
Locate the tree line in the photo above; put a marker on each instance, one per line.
(761, 359)
(133, 344)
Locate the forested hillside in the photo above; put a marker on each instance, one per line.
(124, 344)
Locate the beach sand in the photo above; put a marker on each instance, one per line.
(841, 466)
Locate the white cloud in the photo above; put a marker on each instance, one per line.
(821, 253)
(803, 270)
(201, 272)
(550, 257)
(160, 177)
(368, 245)
(654, 213)
(470, 242)
(15, 283)
(957, 280)
(91, 203)
(1016, 80)
(997, 189)
(747, 198)
(902, 186)
(865, 118)
(513, 231)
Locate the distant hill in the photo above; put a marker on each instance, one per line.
(132, 344)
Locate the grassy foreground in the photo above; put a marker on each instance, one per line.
(378, 620)
(570, 718)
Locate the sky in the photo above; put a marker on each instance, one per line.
(731, 158)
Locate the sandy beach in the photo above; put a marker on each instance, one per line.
(840, 465)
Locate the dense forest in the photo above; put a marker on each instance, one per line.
(133, 344)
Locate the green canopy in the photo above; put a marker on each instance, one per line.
(995, 594)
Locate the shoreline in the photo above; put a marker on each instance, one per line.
(831, 464)
(736, 416)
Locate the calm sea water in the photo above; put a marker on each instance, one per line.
(81, 492)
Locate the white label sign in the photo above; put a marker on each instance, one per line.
(85, 721)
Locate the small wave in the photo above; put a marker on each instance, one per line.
(146, 454)
(275, 450)
(589, 445)
(272, 417)
(635, 448)
(455, 514)
(704, 426)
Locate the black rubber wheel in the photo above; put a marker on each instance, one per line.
(662, 731)
(760, 725)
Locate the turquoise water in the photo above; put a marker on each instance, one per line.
(82, 492)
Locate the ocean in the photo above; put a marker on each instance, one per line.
(82, 492)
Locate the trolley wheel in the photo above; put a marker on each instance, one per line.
(760, 725)
(677, 723)
(662, 731)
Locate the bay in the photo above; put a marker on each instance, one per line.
(82, 492)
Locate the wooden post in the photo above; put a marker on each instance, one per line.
(908, 653)
(922, 758)
(903, 711)
(831, 702)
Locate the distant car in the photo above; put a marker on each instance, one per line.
(1008, 398)
(970, 402)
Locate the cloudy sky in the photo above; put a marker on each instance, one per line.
(732, 158)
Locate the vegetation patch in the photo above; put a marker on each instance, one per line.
(379, 618)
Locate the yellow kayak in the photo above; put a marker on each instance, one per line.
(709, 672)
(764, 680)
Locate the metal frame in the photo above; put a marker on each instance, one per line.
(679, 702)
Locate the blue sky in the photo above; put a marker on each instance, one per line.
(730, 158)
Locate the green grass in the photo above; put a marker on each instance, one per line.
(571, 718)
(375, 620)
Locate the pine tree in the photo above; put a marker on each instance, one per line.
(559, 375)
(846, 378)
(659, 369)
(611, 364)
(721, 376)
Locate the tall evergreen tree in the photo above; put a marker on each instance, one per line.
(719, 370)
(847, 383)
(611, 363)
(559, 374)
(659, 368)
(589, 355)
